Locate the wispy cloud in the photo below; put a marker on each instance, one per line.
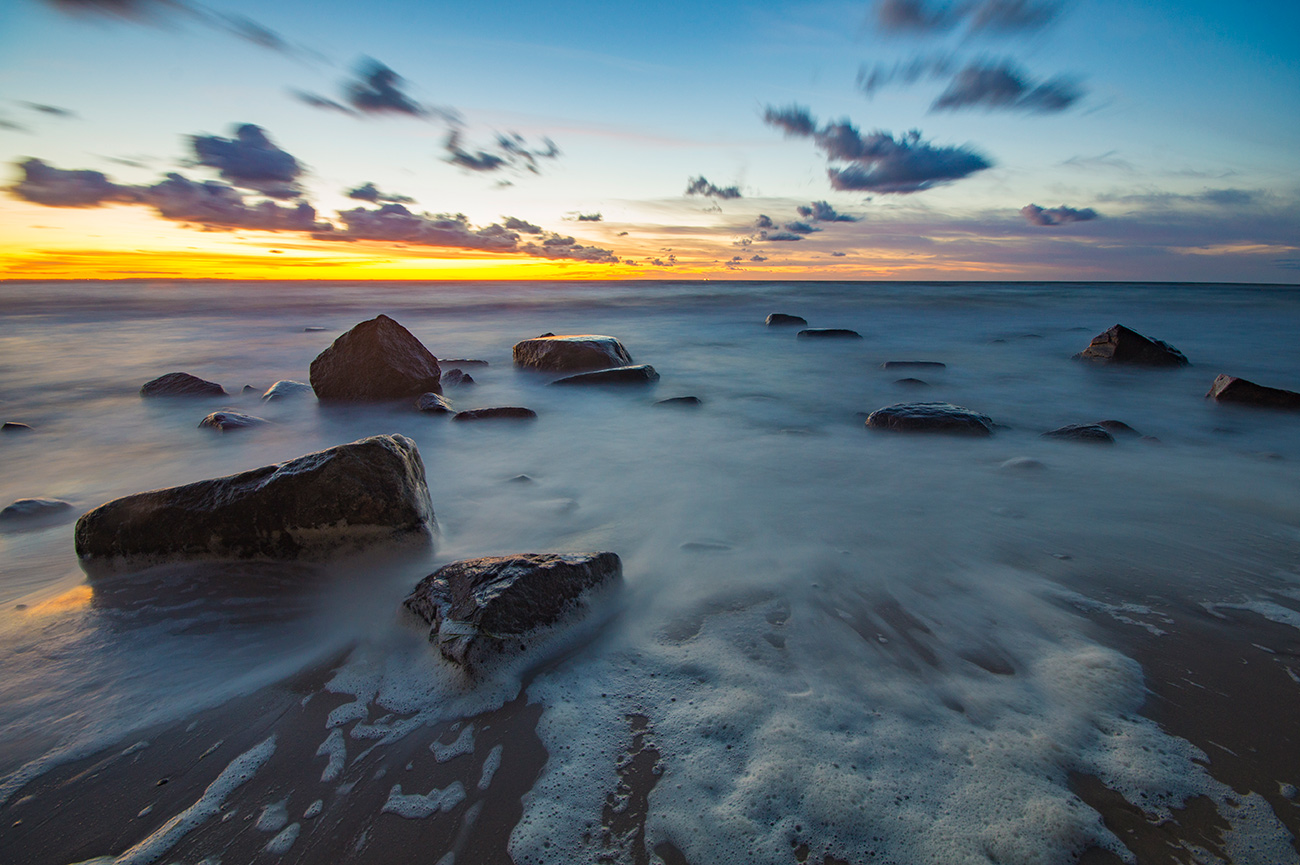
(919, 17)
(1002, 85)
(701, 186)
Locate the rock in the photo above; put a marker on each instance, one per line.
(25, 510)
(640, 374)
(940, 417)
(1022, 464)
(913, 364)
(780, 319)
(435, 403)
(456, 377)
(181, 384)
(912, 382)
(230, 420)
(1125, 346)
(13, 426)
(1118, 428)
(521, 479)
(248, 390)
(1082, 432)
(479, 606)
(376, 360)
(463, 362)
(1227, 388)
(681, 402)
(368, 492)
(287, 388)
(509, 412)
(829, 333)
(313, 328)
(571, 353)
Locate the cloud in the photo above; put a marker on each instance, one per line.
(51, 110)
(758, 258)
(251, 161)
(909, 72)
(55, 187)
(316, 101)
(838, 254)
(555, 246)
(511, 151)
(1013, 16)
(131, 9)
(1001, 85)
(700, 186)
(11, 126)
(516, 224)
(590, 217)
(780, 235)
(1056, 215)
(1230, 197)
(250, 31)
(370, 192)
(799, 228)
(764, 221)
(795, 121)
(377, 90)
(515, 147)
(219, 205)
(394, 222)
(821, 211)
(921, 18)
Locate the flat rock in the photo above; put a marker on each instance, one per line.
(829, 333)
(463, 362)
(1090, 433)
(456, 378)
(376, 360)
(181, 384)
(25, 510)
(912, 382)
(287, 388)
(930, 417)
(313, 328)
(571, 353)
(355, 495)
(477, 607)
(780, 319)
(13, 426)
(913, 364)
(681, 402)
(435, 403)
(642, 373)
(1124, 346)
(1227, 388)
(231, 420)
(1119, 428)
(505, 412)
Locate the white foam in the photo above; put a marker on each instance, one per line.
(490, 765)
(314, 809)
(416, 806)
(337, 750)
(1269, 610)
(464, 744)
(273, 817)
(280, 844)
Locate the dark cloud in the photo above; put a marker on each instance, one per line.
(250, 160)
(369, 192)
(621, 234)
(516, 224)
(700, 186)
(394, 222)
(1013, 16)
(51, 110)
(909, 72)
(473, 160)
(1230, 197)
(510, 151)
(794, 120)
(219, 205)
(821, 211)
(55, 187)
(590, 217)
(799, 228)
(780, 235)
(1056, 215)
(838, 254)
(758, 258)
(516, 148)
(764, 221)
(378, 90)
(555, 246)
(130, 9)
(316, 101)
(1001, 85)
(250, 31)
(919, 17)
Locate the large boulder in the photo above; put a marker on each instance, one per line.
(640, 374)
(930, 417)
(353, 495)
(1227, 388)
(571, 353)
(1125, 346)
(478, 606)
(376, 360)
(181, 384)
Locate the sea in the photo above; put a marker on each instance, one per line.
(830, 643)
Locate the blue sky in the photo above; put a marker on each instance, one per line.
(1156, 140)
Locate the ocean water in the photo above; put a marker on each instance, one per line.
(881, 647)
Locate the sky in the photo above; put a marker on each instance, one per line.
(416, 139)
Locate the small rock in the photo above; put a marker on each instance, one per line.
(913, 364)
(463, 362)
(478, 606)
(376, 360)
(435, 403)
(287, 388)
(181, 384)
(780, 319)
(249, 390)
(640, 374)
(1118, 428)
(508, 412)
(912, 382)
(456, 377)
(1022, 464)
(13, 426)
(313, 329)
(1082, 432)
(230, 420)
(681, 402)
(705, 547)
(521, 479)
(1125, 346)
(930, 417)
(1228, 388)
(34, 509)
(571, 353)
(829, 333)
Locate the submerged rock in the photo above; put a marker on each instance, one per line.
(912, 382)
(1022, 464)
(181, 384)
(456, 378)
(1119, 428)
(640, 374)
(780, 319)
(506, 412)
(287, 388)
(435, 403)
(367, 492)
(571, 353)
(231, 420)
(829, 333)
(462, 362)
(681, 402)
(13, 426)
(940, 417)
(1227, 388)
(1125, 346)
(376, 360)
(31, 510)
(913, 364)
(1082, 432)
(477, 606)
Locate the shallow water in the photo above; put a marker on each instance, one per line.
(876, 645)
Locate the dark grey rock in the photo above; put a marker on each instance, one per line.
(33, 510)
(313, 329)
(376, 360)
(780, 319)
(249, 390)
(681, 402)
(1124, 346)
(463, 362)
(621, 375)
(571, 353)
(521, 479)
(13, 426)
(1090, 433)
(287, 388)
(505, 412)
(912, 382)
(456, 378)
(435, 403)
(231, 420)
(913, 364)
(1228, 388)
(930, 417)
(829, 333)
(479, 607)
(1118, 428)
(367, 492)
(181, 384)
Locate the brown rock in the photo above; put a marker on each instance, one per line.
(376, 360)
(1227, 388)
(571, 353)
(1125, 346)
(181, 384)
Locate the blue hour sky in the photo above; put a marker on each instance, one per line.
(982, 139)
